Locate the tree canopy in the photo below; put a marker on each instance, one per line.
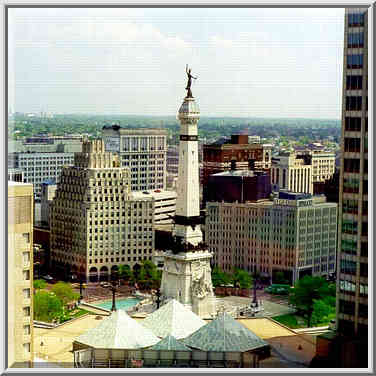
(39, 284)
(47, 306)
(310, 294)
(64, 292)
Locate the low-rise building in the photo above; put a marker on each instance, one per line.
(293, 233)
(237, 185)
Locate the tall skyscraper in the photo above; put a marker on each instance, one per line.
(20, 274)
(352, 281)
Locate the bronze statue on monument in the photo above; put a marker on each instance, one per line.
(189, 83)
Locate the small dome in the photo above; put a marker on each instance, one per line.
(189, 107)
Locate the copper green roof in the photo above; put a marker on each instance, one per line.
(224, 334)
(173, 319)
(170, 343)
(118, 331)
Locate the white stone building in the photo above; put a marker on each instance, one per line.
(292, 173)
(164, 204)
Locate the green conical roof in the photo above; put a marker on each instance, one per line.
(224, 334)
(170, 343)
(118, 331)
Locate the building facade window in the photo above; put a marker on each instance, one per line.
(355, 40)
(353, 103)
(354, 61)
(354, 82)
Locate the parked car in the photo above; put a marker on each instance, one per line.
(105, 284)
(48, 278)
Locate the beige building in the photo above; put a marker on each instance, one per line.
(292, 172)
(323, 163)
(295, 234)
(20, 274)
(95, 226)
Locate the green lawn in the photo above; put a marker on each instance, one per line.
(77, 312)
(291, 321)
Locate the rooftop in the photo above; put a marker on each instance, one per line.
(169, 319)
(224, 334)
(118, 331)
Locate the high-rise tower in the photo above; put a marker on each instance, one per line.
(352, 276)
(187, 273)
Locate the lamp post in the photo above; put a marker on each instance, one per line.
(254, 289)
(113, 289)
(158, 293)
(81, 286)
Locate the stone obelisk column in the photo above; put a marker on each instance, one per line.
(187, 274)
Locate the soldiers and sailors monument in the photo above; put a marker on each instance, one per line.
(187, 273)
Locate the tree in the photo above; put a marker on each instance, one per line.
(308, 290)
(219, 277)
(64, 292)
(242, 279)
(280, 278)
(47, 306)
(39, 284)
(323, 311)
(125, 272)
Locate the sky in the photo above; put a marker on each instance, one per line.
(250, 62)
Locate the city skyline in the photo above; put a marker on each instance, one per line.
(132, 61)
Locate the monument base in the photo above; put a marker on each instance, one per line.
(187, 278)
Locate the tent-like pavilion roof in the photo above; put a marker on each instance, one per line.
(118, 331)
(173, 319)
(170, 343)
(224, 334)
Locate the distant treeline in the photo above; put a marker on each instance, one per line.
(209, 127)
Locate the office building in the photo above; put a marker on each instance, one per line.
(292, 172)
(164, 204)
(20, 275)
(238, 185)
(236, 153)
(294, 233)
(143, 151)
(15, 174)
(95, 227)
(352, 279)
(38, 167)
